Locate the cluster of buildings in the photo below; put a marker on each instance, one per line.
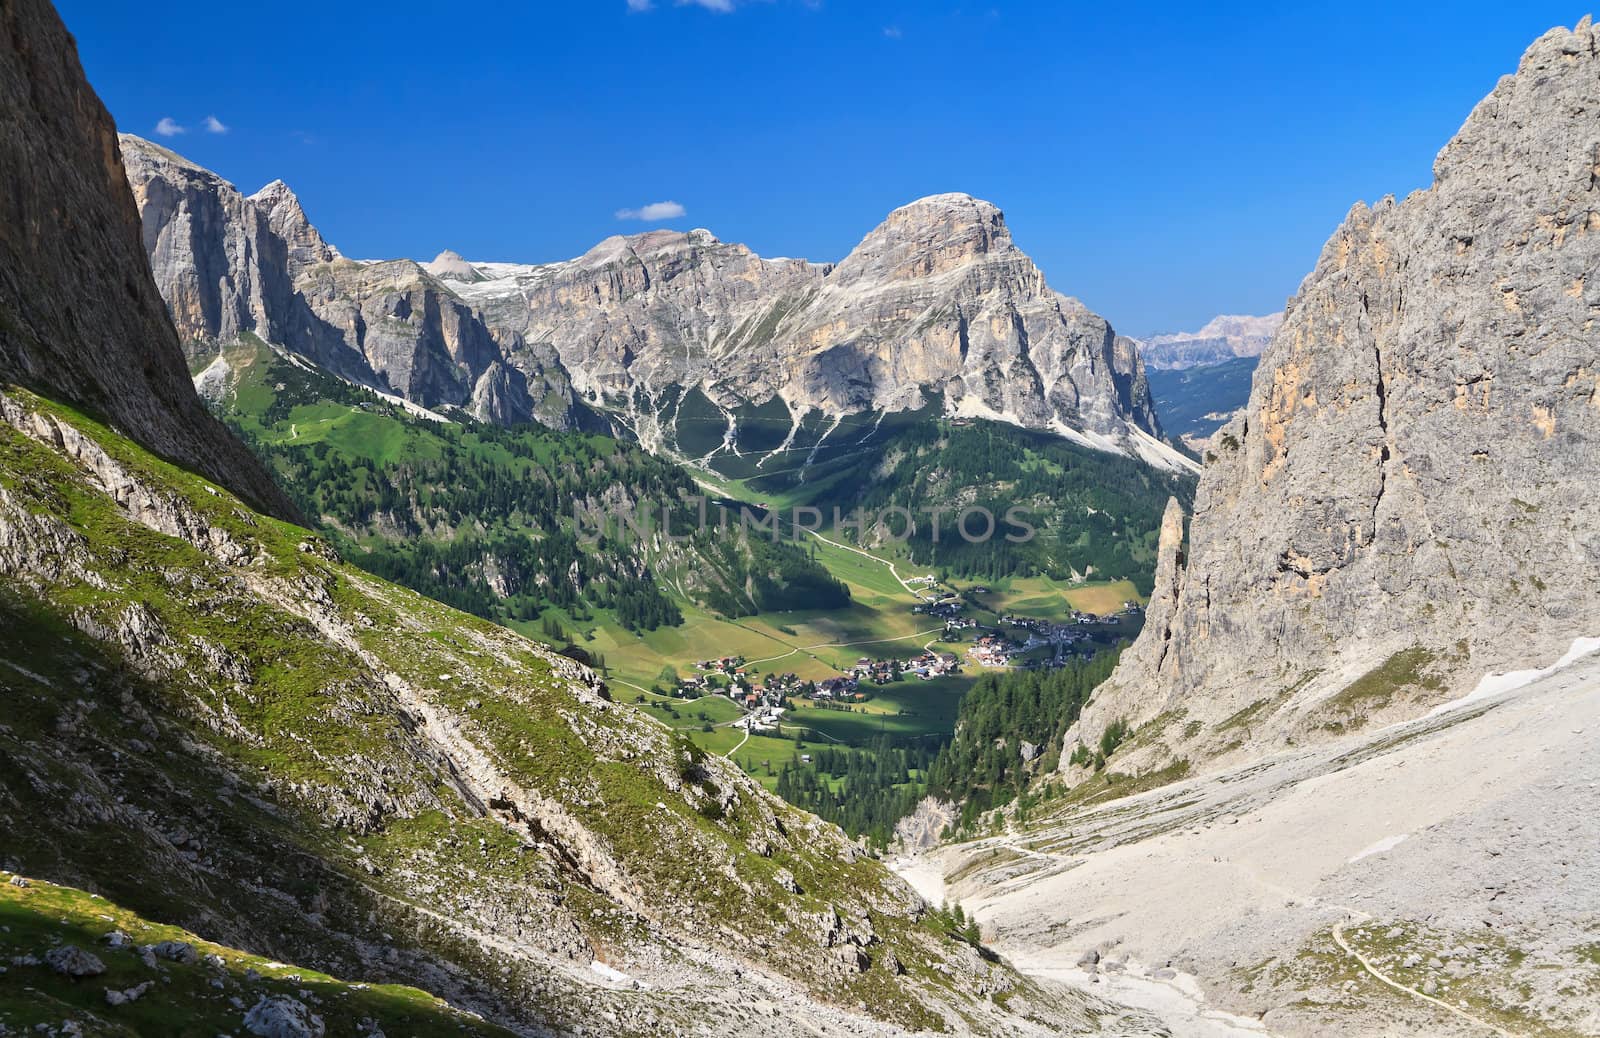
(933, 664)
(761, 716)
(845, 689)
(729, 665)
(994, 650)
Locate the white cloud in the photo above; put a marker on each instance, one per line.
(213, 125)
(653, 211)
(720, 6)
(893, 32)
(169, 127)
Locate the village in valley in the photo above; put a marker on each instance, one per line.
(1008, 640)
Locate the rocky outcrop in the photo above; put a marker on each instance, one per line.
(936, 304)
(1223, 338)
(106, 345)
(229, 265)
(1404, 506)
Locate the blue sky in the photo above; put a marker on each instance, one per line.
(1161, 162)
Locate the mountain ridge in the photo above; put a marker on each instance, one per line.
(1223, 338)
(936, 304)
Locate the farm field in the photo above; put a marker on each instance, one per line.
(1041, 596)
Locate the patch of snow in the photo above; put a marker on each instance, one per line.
(1495, 684)
(1388, 843)
(610, 973)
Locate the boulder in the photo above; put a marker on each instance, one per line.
(176, 951)
(73, 961)
(279, 1016)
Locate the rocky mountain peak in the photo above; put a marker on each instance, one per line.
(288, 221)
(229, 264)
(450, 265)
(927, 238)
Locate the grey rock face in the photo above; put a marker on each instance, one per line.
(1408, 496)
(1223, 338)
(280, 1016)
(221, 267)
(227, 265)
(66, 218)
(937, 300)
(936, 303)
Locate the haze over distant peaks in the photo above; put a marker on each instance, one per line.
(1223, 338)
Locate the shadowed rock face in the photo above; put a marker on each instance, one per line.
(66, 219)
(228, 264)
(1409, 495)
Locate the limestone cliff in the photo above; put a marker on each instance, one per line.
(936, 303)
(228, 264)
(66, 218)
(1405, 505)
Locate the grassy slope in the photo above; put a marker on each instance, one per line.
(242, 688)
(187, 1000)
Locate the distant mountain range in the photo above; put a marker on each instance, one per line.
(1223, 338)
(936, 309)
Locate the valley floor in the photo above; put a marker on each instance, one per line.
(1436, 877)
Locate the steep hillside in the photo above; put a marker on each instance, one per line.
(508, 524)
(1404, 505)
(1197, 401)
(80, 959)
(1089, 514)
(221, 727)
(66, 220)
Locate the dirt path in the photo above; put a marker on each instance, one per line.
(1366, 964)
